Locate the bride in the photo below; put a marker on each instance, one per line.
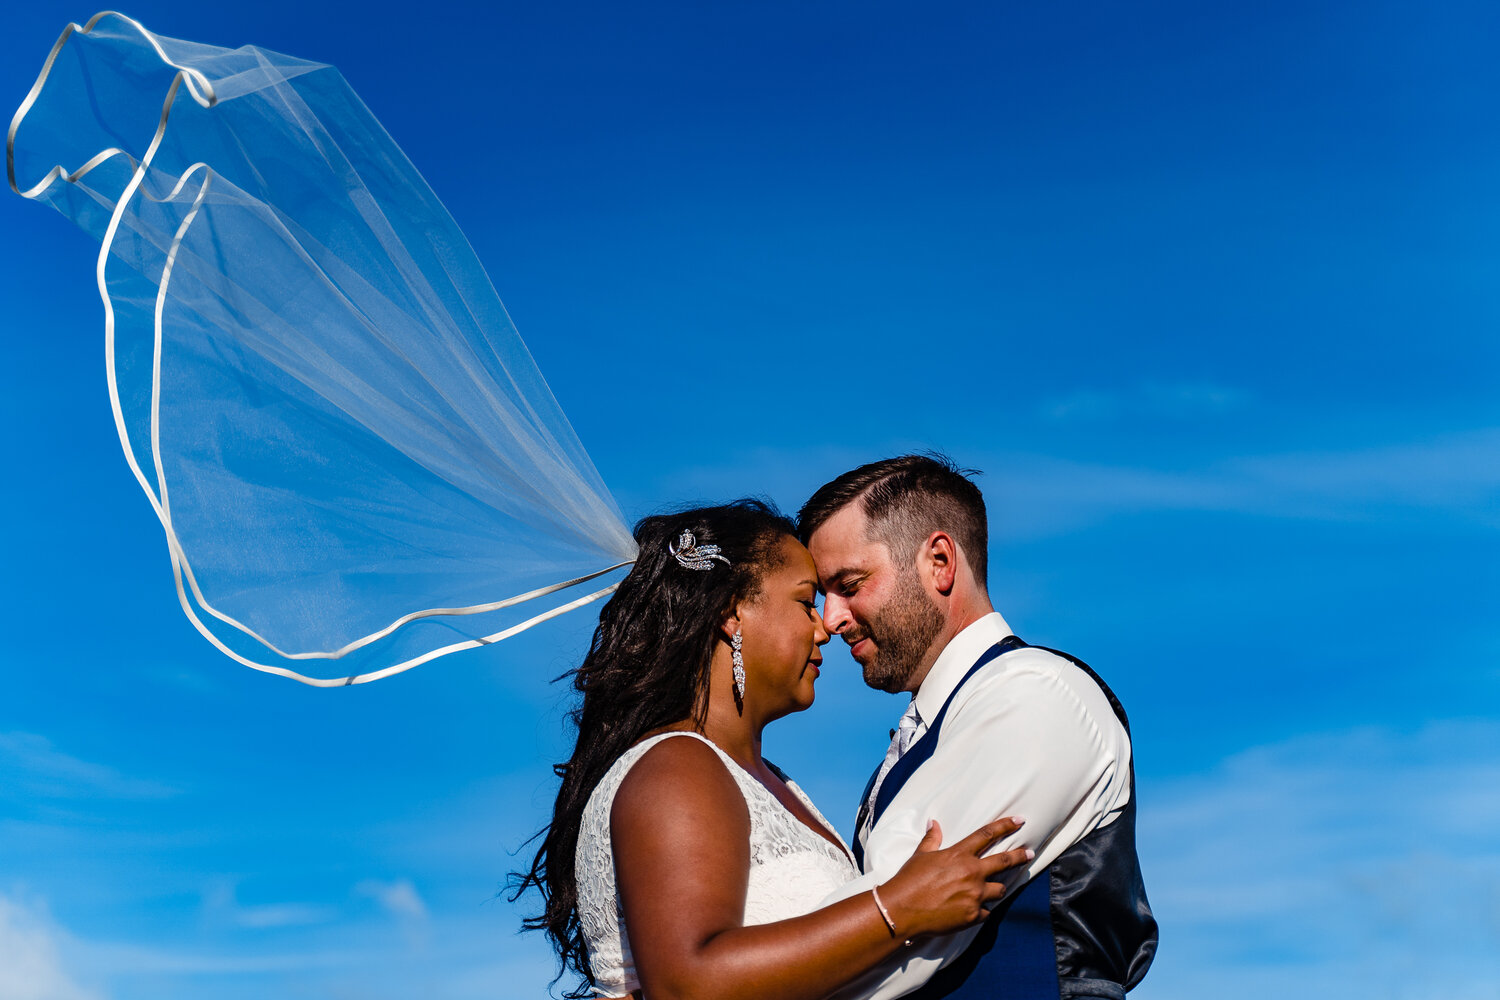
(680, 862)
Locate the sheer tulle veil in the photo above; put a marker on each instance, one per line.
(350, 450)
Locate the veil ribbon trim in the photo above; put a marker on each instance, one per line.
(190, 595)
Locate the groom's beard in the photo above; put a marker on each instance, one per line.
(902, 630)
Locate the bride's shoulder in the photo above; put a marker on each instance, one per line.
(680, 780)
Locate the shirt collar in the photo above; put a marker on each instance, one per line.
(954, 661)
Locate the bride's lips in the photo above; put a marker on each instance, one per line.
(815, 666)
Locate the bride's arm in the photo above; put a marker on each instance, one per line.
(680, 831)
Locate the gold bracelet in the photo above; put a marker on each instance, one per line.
(886, 914)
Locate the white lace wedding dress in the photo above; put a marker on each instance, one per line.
(792, 869)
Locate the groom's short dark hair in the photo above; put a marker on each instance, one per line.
(906, 499)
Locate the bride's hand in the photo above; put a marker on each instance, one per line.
(939, 891)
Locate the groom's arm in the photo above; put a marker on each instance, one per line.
(1034, 738)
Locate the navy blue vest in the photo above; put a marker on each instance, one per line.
(1083, 930)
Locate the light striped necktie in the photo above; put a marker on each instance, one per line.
(907, 729)
(902, 737)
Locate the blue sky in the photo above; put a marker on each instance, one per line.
(1208, 293)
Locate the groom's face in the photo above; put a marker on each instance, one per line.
(876, 604)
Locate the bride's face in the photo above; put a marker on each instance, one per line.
(782, 632)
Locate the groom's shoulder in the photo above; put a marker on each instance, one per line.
(1036, 677)
(1030, 663)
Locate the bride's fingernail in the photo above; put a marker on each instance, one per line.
(1030, 854)
(1017, 820)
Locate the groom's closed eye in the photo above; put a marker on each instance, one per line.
(845, 584)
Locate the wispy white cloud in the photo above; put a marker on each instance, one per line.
(1456, 474)
(1175, 401)
(1032, 495)
(41, 960)
(398, 899)
(34, 767)
(118, 960)
(466, 957)
(220, 903)
(1363, 862)
(33, 950)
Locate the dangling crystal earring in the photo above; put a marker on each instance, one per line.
(736, 642)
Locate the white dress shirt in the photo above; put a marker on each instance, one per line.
(1030, 735)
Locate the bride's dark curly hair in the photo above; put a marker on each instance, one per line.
(646, 668)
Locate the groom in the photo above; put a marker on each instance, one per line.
(995, 727)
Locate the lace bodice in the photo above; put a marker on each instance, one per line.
(792, 869)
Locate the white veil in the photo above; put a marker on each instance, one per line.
(349, 448)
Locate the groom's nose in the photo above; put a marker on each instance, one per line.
(836, 613)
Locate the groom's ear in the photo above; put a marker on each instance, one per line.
(937, 561)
